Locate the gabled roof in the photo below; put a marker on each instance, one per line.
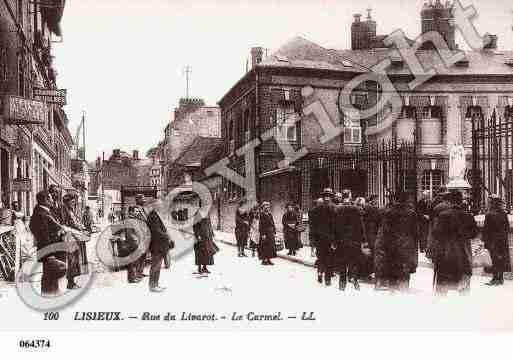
(302, 53)
(192, 155)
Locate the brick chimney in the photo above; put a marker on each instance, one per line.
(135, 155)
(363, 33)
(491, 42)
(257, 54)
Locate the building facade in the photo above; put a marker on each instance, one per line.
(272, 96)
(35, 141)
(192, 118)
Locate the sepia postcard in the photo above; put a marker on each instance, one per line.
(255, 166)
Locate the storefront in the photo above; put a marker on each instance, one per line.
(21, 188)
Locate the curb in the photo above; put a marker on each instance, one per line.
(282, 256)
(422, 264)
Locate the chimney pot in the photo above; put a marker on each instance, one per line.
(257, 54)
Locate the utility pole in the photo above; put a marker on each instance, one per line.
(83, 134)
(187, 71)
(102, 184)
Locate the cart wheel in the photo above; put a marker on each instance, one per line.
(167, 261)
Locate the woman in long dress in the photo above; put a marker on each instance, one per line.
(267, 229)
(290, 222)
(254, 233)
(70, 219)
(204, 246)
(24, 240)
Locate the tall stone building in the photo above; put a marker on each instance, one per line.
(35, 142)
(192, 118)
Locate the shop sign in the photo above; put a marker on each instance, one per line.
(21, 111)
(21, 185)
(56, 96)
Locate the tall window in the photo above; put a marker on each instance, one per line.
(286, 118)
(352, 129)
(20, 12)
(21, 76)
(246, 126)
(432, 180)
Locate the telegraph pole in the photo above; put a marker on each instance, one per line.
(83, 135)
(187, 71)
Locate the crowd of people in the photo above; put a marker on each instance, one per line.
(53, 216)
(355, 240)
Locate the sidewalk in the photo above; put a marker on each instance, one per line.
(304, 255)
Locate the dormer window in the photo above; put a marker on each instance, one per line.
(397, 61)
(346, 63)
(462, 63)
(282, 58)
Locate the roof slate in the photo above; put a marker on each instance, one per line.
(200, 147)
(302, 53)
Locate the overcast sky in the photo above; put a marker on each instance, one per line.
(122, 61)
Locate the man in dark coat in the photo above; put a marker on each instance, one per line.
(440, 203)
(267, 228)
(140, 213)
(323, 228)
(242, 227)
(396, 255)
(451, 250)
(372, 221)
(312, 224)
(348, 240)
(70, 219)
(160, 244)
(495, 237)
(424, 213)
(47, 231)
(290, 221)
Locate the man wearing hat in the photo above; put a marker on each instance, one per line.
(495, 238)
(140, 213)
(372, 218)
(348, 239)
(450, 249)
(323, 230)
